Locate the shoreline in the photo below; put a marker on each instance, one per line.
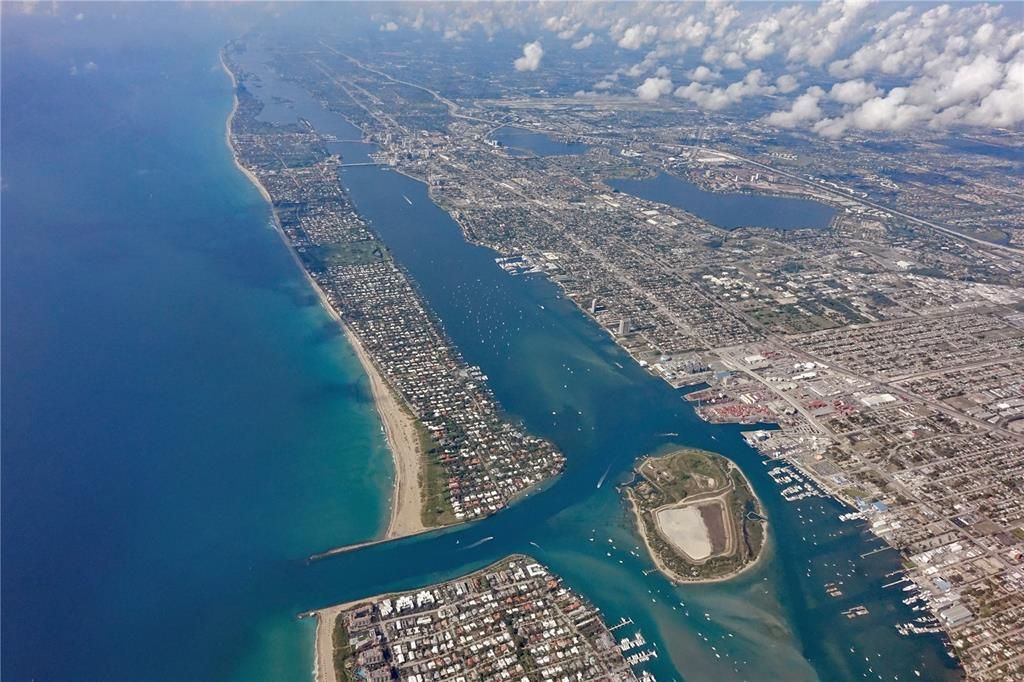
(323, 656)
(671, 575)
(397, 424)
(323, 652)
(402, 437)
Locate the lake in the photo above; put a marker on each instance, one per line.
(729, 210)
(521, 142)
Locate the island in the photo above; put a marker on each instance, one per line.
(457, 457)
(698, 515)
(512, 620)
(886, 346)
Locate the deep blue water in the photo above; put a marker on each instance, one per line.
(726, 210)
(183, 426)
(527, 142)
(181, 422)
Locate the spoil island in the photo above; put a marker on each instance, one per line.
(513, 620)
(697, 514)
(456, 457)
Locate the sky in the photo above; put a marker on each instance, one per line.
(831, 67)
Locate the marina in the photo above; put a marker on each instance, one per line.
(215, 357)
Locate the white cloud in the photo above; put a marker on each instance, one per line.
(88, 67)
(816, 37)
(757, 42)
(389, 26)
(702, 74)
(565, 26)
(786, 83)
(642, 67)
(733, 60)
(637, 36)
(584, 42)
(907, 44)
(689, 32)
(1004, 106)
(890, 112)
(853, 92)
(653, 88)
(956, 64)
(715, 99)
(532, 54)
(981, 92)
(804, 108)
(724, 14)
(968, 81)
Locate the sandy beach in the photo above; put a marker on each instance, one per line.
(323, 670)
(401, 432)
(397, 422)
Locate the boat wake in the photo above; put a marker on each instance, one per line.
(480, 542)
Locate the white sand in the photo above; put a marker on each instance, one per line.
(403, 440)
(399, 424)
(324, 670)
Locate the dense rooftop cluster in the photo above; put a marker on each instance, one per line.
(934, 463)
(511, 621)
(488, 460)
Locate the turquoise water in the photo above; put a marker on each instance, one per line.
(183, 426)
(181, 422)
(564, 378)
(729, 210)
(556, 371)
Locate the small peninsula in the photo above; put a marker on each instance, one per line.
(697, 514)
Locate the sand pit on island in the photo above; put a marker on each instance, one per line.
(684, 527)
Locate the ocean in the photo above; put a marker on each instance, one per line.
(183, 425)
(182, 422)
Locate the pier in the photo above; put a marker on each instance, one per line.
(875, 551)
